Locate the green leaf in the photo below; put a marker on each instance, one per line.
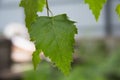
(96, 6)
(118, 10)
(55, 37)
(31, 7)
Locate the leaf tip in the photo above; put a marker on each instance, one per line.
(36, 59)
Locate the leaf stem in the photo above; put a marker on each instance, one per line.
(48, 9)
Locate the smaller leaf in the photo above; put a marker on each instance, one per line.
(118, 10)
(31, 7)
(96, 7)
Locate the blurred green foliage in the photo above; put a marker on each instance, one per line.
(93, 62)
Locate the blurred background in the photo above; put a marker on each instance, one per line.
(97, 47)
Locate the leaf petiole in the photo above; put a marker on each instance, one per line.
(48, 9)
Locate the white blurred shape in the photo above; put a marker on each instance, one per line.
(15, 29)
(22, 48)
(23, 44)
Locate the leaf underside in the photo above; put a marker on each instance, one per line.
(96, 7)
(55, 37)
